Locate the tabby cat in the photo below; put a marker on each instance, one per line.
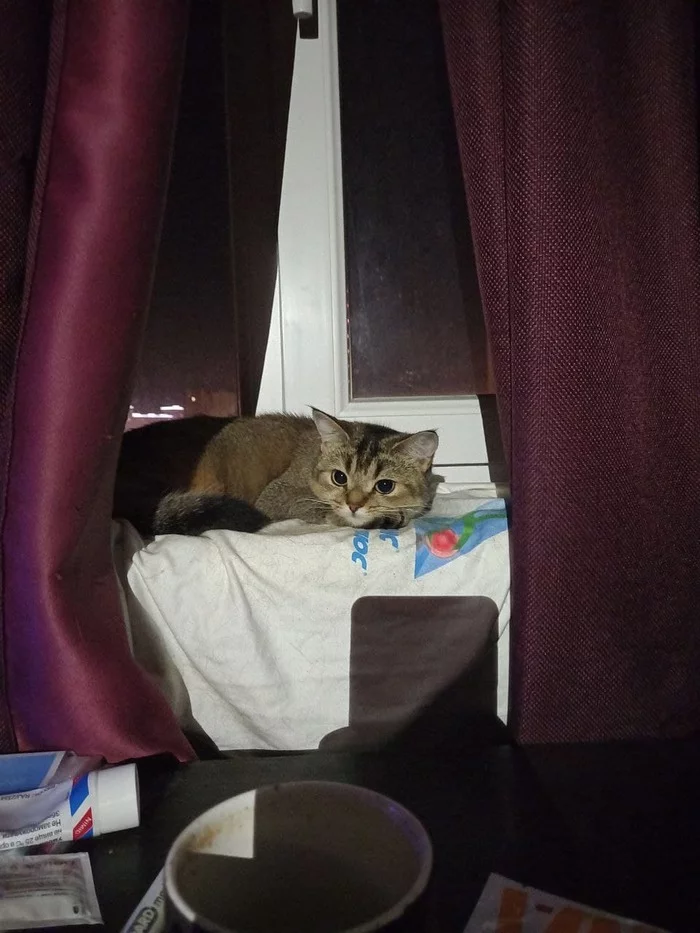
(272, 467)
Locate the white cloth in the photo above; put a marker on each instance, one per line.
(254, 630)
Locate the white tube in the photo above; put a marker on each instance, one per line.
(99, 802)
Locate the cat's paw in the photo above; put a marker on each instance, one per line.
(389, 522)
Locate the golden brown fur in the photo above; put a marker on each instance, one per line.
(155, 460)
(275, 467)
(270, 443)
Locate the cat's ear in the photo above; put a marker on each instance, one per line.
(329, 429)
(420, 447)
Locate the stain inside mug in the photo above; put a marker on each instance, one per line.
(290, 888)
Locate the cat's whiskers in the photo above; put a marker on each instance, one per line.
(314, 500)
(269, 459)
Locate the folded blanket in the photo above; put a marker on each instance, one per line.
(264, 635)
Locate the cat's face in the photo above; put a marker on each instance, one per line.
(372, 477)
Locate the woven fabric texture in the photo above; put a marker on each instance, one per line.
(23, 63)
(578, 130)
(107, 119)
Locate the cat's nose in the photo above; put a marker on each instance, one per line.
(353, 506)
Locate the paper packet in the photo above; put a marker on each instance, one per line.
(508, 907)
(29, 770)
(47, 890)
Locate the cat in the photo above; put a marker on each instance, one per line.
(156, 459)
(254, 471)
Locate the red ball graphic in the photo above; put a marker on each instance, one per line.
(443, 543)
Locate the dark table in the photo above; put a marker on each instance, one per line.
(615, 826)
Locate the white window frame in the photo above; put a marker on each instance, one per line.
(307, 361)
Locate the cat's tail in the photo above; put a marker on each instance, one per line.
(191, 513)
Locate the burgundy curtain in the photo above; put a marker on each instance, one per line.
(578, 128)
(259, 41)
(108, 119)
(23, 66)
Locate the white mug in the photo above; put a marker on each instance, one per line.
(301, 857)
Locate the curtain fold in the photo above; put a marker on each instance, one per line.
(24, 41)
(259, 41)
(109, 114)
(578, 130)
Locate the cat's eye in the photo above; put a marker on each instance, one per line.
(339, 478)
(385, 486)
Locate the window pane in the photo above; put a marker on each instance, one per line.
(188, 361)
(414, 312)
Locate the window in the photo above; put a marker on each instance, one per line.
(377, 312)
(188, 359)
